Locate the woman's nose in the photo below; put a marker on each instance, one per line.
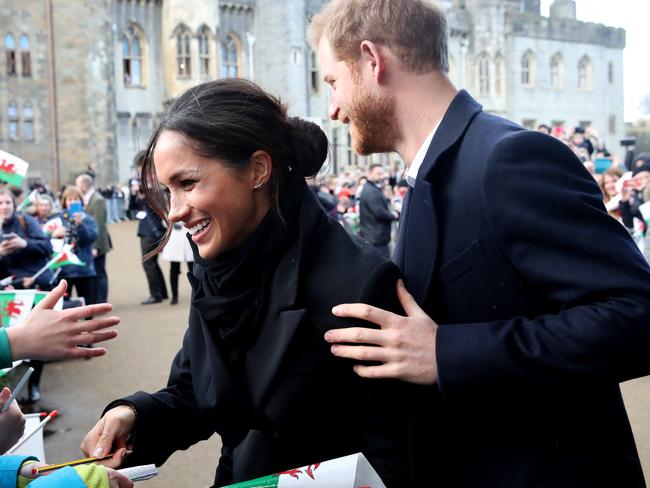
(177, 210)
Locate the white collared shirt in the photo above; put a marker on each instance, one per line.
(414, 168)
(87, 196)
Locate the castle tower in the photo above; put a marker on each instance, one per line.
(563, 9)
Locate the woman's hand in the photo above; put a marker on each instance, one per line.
(48, 334)
(58, 233)
(77, 218)
(118, 480)
(12, 422)
(110, 433)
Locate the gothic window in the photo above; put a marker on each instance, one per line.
(484, 74)
(528, 69)
(10, 53)
(204, 51)
(229, 58)
(499, 67)
(584, 73)
(132, 58)
(25, 56)
(28, 122)
(557, 72)
(610, 73)
(313, 72)
(12, 116)
(183, 53)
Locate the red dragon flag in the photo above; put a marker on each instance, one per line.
(12, 168)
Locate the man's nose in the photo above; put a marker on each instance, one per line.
(334, 111)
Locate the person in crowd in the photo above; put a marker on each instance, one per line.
(151, 230)
(79, 229)
(254, 367)
(48, 334)
(95, 206)
(375, 215)
(44, 207)
(518, 317)
(24, 251)
(177, 251)
(635, 195)
(544, 129)
(611, 196)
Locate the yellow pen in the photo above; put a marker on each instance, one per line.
(76, 462)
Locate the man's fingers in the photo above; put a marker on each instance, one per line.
(361, 353)
(79, 313)
(355, 335)
(95, 337)
(382, 371)
(364, 312)
(88, 352)
(407, 301)
(53, 296)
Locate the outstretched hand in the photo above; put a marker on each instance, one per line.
(48, 334)
(406, 346)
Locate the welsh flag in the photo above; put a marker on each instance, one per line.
(353, 471)
(12, 169)
(16, 304)
(64, 257)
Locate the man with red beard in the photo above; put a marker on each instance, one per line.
(520, 325)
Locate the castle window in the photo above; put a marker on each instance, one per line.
(183, 54)
(204, 51)
(498, 75)
(10, 53)
(12, 116)
(229, 67)
(610, 73)
(313, 72)
(528, 69)
(25, 56)
(28, 122)
(484, 74)
(557, 72)
(584, 73)
(132, 48)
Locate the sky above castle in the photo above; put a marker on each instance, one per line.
(633, 16)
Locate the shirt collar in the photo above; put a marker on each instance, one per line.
(414, 168)
(87, 196)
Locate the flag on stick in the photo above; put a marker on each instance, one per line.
(12, 169)
(64, 257)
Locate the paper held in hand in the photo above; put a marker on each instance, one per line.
(140, 473)
(353, 471)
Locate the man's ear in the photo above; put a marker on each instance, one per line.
(372, 62)
(261, 168)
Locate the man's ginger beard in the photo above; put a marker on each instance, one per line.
(372, 121)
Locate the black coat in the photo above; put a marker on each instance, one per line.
(543, 302)
(305, 405)
(375, 218)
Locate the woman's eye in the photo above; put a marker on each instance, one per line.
(187, 183)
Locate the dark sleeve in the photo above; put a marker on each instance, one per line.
(38, 245)
(629, 159)
(547, 215)
(168, 420)
(384, 404)
(626, 214)
(87, 230)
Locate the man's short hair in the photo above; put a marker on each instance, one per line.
(87, 179)
(415, 30)
(373, 166)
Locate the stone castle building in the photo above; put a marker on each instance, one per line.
(85, 82)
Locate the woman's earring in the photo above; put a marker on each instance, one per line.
(259, 185)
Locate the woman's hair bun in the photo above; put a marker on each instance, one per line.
(309, 146)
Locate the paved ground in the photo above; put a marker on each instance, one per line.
(139, 359)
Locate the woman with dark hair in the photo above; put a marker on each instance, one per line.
(269, 267)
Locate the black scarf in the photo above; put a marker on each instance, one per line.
(234, 288)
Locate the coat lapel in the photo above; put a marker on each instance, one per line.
(417, 245)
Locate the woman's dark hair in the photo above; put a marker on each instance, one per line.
(229, 120)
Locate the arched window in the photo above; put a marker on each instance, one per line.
(132, 57)
(204, 51)
(483, 65)
(28, 122)
(584, 73)
(10, 52)
(12, 116)
(499, 67)
(610, 73)
(25, 56)
(313, 72)
(229, 67)
(557, 72)
(184, 53)
(528, 69)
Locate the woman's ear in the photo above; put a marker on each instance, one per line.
(261, 169)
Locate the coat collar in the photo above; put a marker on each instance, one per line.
(415, 255)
